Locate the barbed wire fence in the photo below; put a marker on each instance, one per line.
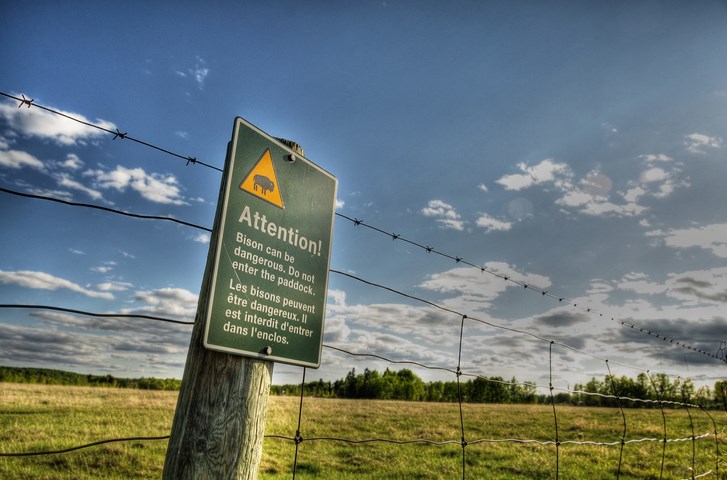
(465, 319)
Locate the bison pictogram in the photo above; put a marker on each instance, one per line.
(266, 185)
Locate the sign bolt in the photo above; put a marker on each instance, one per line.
(268, 350)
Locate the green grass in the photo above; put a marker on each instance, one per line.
(39, 418)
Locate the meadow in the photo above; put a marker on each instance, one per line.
(42, 418)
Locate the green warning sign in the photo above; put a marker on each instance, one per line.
(270, 273)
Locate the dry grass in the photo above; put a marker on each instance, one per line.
(36, 417)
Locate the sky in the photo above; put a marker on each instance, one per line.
(574, 147)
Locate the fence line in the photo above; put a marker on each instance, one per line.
(394, 236)
(189, 224)
(506, 278)
(298, 438)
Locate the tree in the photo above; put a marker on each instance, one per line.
(720, 393)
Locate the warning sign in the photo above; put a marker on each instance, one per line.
(272, 247)
(262, 182)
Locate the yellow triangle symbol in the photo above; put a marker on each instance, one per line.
(262, 182)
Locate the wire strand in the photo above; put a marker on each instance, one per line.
(106, 209)
(117, 133)
(544, 293)
(95, 314)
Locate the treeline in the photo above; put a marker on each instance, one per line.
(657, 387)
(47, 376)
(406, 385)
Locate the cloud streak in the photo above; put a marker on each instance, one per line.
(46, 281)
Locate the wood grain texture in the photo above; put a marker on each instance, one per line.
(219, 421)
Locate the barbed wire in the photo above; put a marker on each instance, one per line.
(192, 225)
(494, 440)
(95, 314)
(106, 209)
(422, 441)
(81, 447)
(484, 322)
(391, 361)
(298, 439)
(526, 286)
(116, 133)
(395, 236)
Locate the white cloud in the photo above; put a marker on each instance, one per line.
(65, 181)
(201, 238)
(176, 302)
(638, 283)
(200, 71)
(656, 157)
(546, 171)
(17, 159)
(114, 286)
(105, 268)
(44, 192)
(709, 237)
(35, 122)
(593, 194)
(72, 162)
(476, 290)
(606, 208)
(154, 187)
(698, 142)
(339, 204)
(492, 224)
(654, 174)
(46, 281)
(444, 213)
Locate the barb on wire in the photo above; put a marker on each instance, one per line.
(116, 134)
(25, 101)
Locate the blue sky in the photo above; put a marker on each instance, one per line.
(578, 147)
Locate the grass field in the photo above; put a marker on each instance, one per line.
(41, 418)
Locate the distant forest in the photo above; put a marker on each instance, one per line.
(406, 385)
(46, 376)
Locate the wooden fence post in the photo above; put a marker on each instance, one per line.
(219, 422)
